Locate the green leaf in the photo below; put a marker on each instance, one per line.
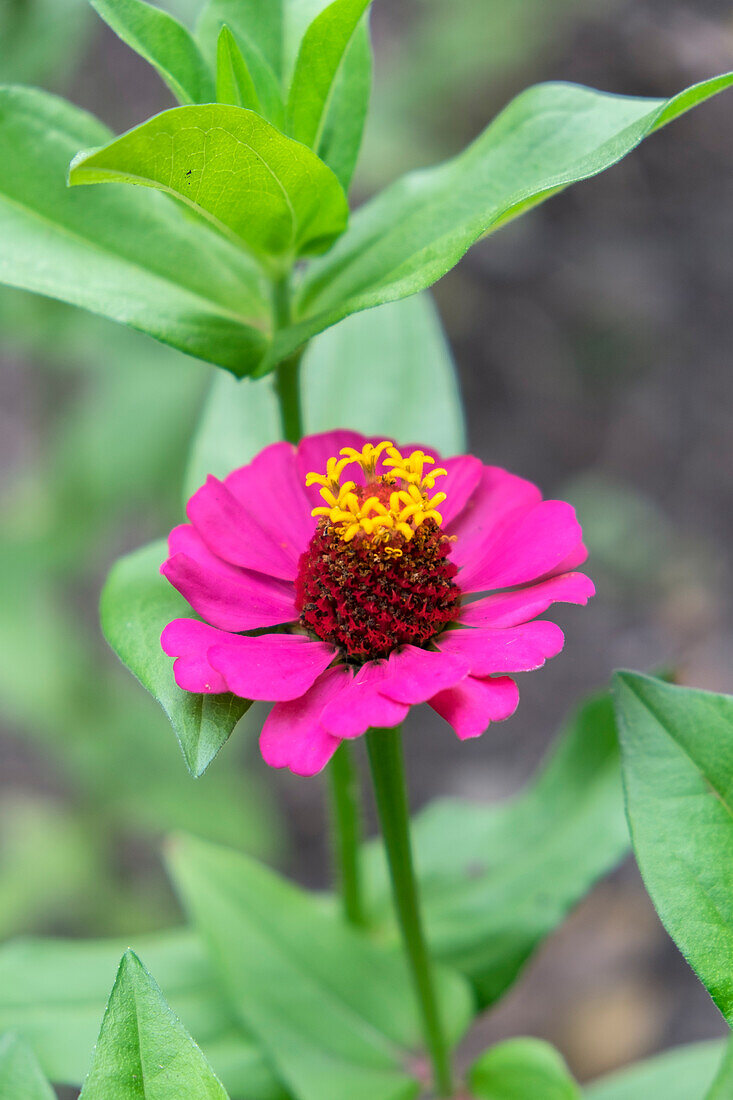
(53, 992)
(677, 748)
(681, 1074)
(496, 880)
(320, 60)
(255, 26)
(116, 251)
(21, 1077)
(143, 1051)
(346, 117)
(722, 1086)
(230, 165)
(164, 43)
(408, 236)
(522, 1069)
(363, 374)
(137, 603)
(234, 83)
(333, 1010)
(272, 28)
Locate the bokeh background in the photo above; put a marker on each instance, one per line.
(593, 341)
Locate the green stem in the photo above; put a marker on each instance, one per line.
(345, 815)
(287, 373)
(388, 774)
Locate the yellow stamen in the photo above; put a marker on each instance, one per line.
(410, 503)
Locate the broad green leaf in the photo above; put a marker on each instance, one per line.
(137, 603)
(677, 746)
(143, 1051)
(115, 251)
(53, 993)
(371, 374)
(344, 124)
(365, 374)
(408, 236)
(234, 83)
(230, 165)
(333, 1010)
(164, 43)
(21, 1077)
(681, 1074)
(495, 880)
(722, 1086)
(320, 60)
(522, 1069)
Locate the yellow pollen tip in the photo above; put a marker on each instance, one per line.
(410, 503)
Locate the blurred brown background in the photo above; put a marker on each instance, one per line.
(593, 340)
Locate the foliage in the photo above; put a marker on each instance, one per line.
(227, 235)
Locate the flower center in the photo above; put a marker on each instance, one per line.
(376, 574)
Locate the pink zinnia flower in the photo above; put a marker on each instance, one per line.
(370, 577)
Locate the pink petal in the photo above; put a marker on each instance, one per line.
(293, 737)
(575, 558)
(275, 667)
(233, 534)
(272, 491)
(360, 705)
(498, 496)
(185, 539)
(515, 649)
(235, 599)
(459, 485)
(414, 675)
(525, 548)
(314, 452)
(188, 640)
(511, 608)
(473, 704)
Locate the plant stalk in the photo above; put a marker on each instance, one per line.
(388, 774)
(346, 822)
(287, 373)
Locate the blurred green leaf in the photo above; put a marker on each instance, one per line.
(47, 858)
(495, 880)
(333, 1010)
(164, 43)
(53, 993)
(41, 40)
(234, 82)
(21, 1077)
(234, 168)
(345, 119)
(681, 1074)
(367, 373)
(412, 233)
(522, 1069)
(116, 251)
(362, 374)
(320, 60)
(722, 1086)
(137, 603)
(143, 1051)
(677, 746)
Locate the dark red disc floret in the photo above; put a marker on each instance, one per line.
(368, 599)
